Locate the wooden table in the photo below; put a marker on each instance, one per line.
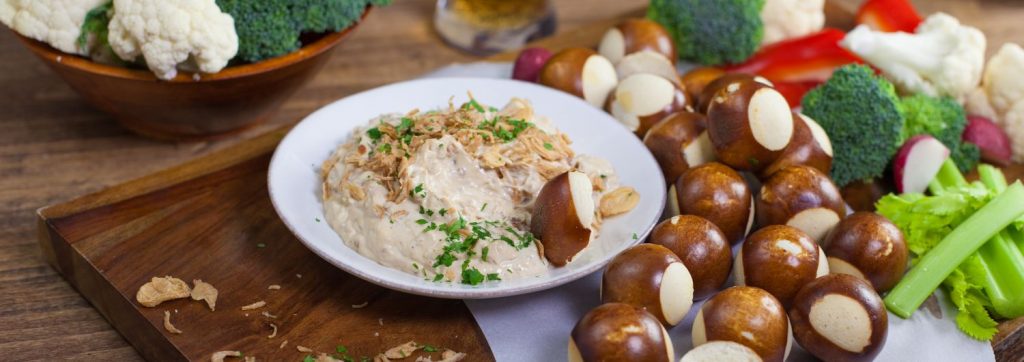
(54, 147)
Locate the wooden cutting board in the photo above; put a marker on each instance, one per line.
(211, 219)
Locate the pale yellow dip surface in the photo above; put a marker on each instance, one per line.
(388, 206)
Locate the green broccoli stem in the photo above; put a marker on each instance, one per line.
(1001, 259)
(953, 249)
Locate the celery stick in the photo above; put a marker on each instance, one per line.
(1001, 259)
(949, 176)
(1004, 267)
(964, 240)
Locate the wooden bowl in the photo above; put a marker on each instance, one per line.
(192, 107)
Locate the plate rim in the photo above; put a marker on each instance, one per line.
(448, 293)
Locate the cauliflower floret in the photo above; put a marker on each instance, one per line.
(169, 32)
(55, 22)
(1004, 78)
(786, 19)
(1013, 124)
(942, 57)
(977, 104)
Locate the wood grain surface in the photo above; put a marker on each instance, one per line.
(210, 219)
(54, 147)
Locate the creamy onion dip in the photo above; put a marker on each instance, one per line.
(447, 195)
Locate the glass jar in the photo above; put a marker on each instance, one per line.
(490, 26)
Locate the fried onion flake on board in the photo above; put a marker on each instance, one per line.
(162, 289)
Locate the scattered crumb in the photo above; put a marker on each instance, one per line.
(285, 343)
(452, 356)
(303, 349)
(246, 314)
(274, 333)
(196, 77)
(204, 291)
(268, 315)
(298, 276)
(376, 334)
(256, 305)
(380, 321)
(160, 290)
(357, 306)
(402, 351)
(220, 356)
(424, 359)
(175, 311)
(250, 359)
(274, 287)
(60, 59)
(167, 323)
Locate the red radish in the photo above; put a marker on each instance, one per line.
(993, 142)
(528, 64)
(918, 162)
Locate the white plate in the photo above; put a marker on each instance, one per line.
(294, 180)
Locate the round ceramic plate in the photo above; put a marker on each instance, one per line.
(295, 183)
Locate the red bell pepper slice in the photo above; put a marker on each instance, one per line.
(809, 58)
(889, 15)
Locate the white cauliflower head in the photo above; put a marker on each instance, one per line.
(941, 58)
(1004, 77)
(55, 22)
(170, 32)
(786, 19)
(1013, 124)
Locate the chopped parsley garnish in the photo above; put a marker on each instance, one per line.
(635, 237)
(428, 348)
(384, 148)
(373, 133)
(492, 109)
(446, 259)
(474, 104)
(493, 277)
(415, 266)
(604, 176)
(482, 208)
(418, 191)
(422, 221)
(483, 253)
(309, 358)
(442, 212)
(548, 146)
(501, 132)
(317, 219)
(341, 349)
(438, 277)
(472, 276)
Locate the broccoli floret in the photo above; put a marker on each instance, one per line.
(711, 32)
(265, 28)
(270, 28)
(944, 119)
(861, 114)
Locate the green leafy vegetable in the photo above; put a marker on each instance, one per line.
(962, 241)
(861, 114)
(271, 28)
(944, 119)
(711, 32)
